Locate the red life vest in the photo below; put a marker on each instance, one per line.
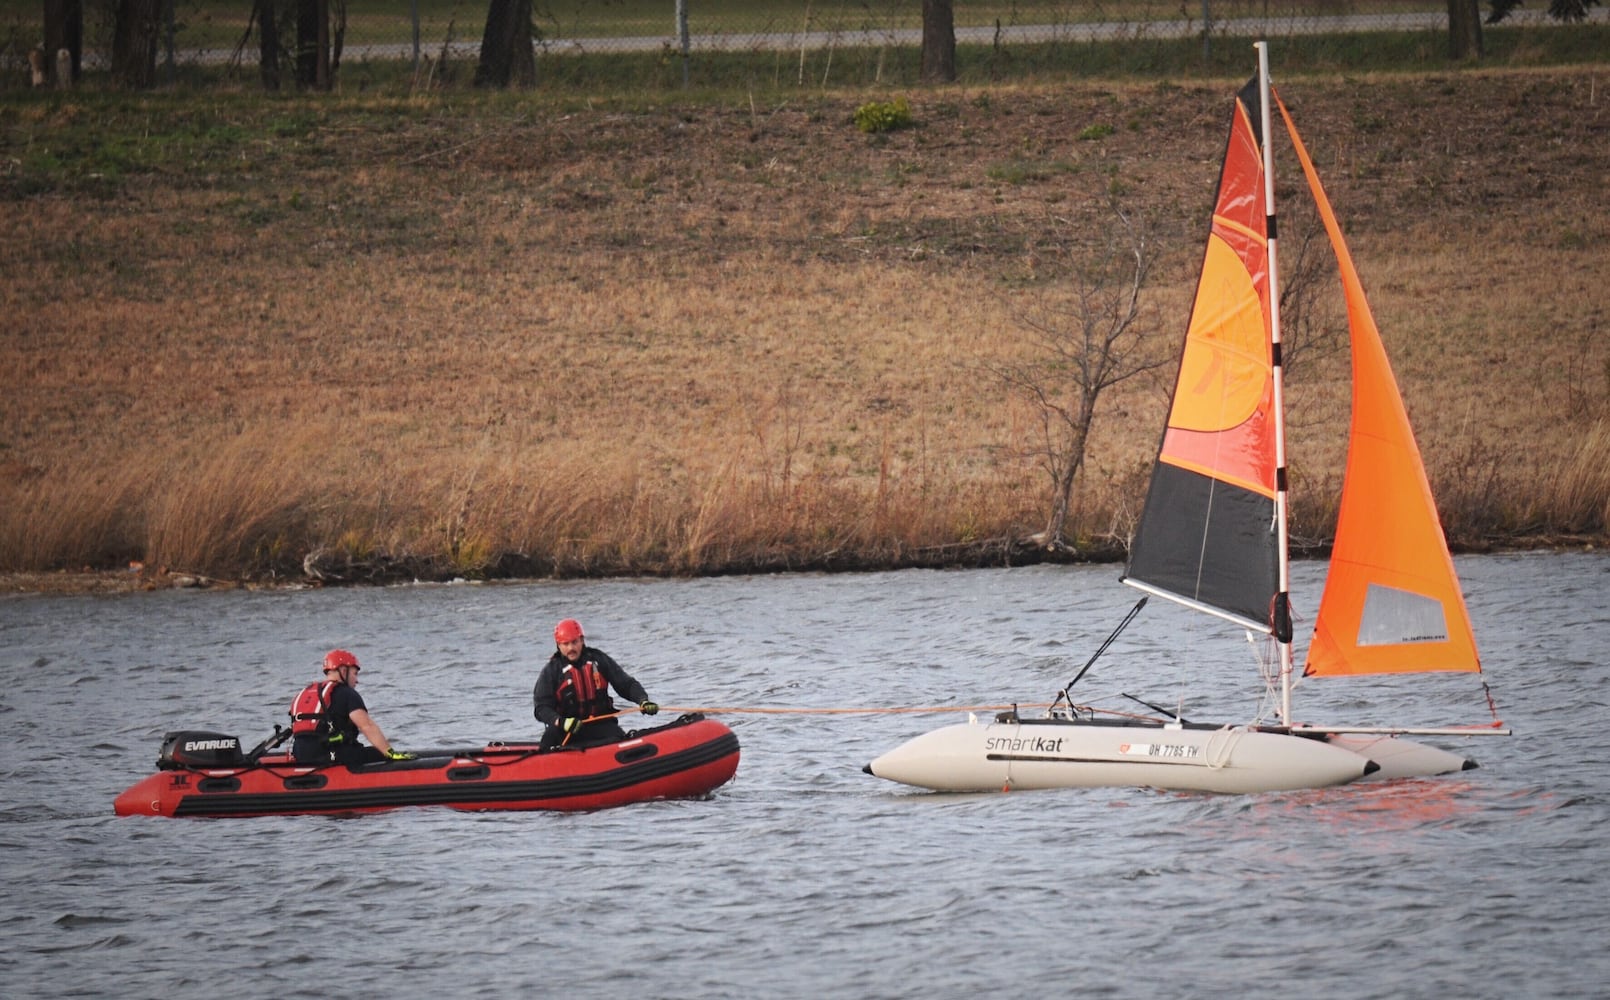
(582, 690)
(308, 710)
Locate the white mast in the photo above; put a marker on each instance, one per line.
(1282, 609)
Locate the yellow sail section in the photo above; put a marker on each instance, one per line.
(1224, 379)
(1225, 370)
(1392, 602)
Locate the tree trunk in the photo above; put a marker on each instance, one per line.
(64, 29)
(1464, 29)
(268, 44)
(135, 32)
(336, 24)
(1062, 493)
(939, 40)
(506, 46)
(313, 43)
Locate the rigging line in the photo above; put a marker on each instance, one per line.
(591, 718)
(1103, 647)
(1492, 706)
(1166, 716)
(597, 718)
(784, 710)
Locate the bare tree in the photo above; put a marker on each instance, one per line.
(1100, 339)
(1559, 10)
(1310, 331)
(304, 37)
(1464, 21)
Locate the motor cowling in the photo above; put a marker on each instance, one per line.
(188, 748)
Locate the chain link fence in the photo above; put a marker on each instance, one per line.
(221, 32)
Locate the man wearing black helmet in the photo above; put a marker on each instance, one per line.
(574, 687)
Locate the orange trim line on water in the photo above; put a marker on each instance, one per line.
(781, 710)
(869, 710)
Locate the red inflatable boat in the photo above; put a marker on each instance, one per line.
(205, 774)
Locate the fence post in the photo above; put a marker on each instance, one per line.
(413, 14)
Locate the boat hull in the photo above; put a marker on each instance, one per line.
(687, 759)
(1079, 753)
(1401, 758)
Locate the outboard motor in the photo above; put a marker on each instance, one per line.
(189, 748)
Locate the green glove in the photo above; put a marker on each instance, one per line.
(395, 754)
(649, 708)
(570, 724)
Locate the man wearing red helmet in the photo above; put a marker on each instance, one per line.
(328, 715)
(574, 687)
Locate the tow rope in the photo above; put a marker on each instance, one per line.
(865, 710)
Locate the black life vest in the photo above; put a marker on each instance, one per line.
(309, 710)
(583, 690)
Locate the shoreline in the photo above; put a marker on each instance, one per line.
(137, 578)
(513, 568)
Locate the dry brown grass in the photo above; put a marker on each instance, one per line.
(463, 338)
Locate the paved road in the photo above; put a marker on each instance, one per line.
(1273, 27)
(737, 41)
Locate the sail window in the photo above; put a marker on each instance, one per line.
(1395, 617)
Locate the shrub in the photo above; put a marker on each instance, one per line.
(883, 116)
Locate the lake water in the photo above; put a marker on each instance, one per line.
(804, 877)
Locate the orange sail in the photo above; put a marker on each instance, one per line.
(1392, 602)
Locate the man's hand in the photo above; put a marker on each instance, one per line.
(649, 708)
(395, 754)
(570, 724)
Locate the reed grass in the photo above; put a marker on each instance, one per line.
(460, 335)
(1578, 498)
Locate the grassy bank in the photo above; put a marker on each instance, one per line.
(444, 333)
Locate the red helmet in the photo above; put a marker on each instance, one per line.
(567, 630)
(335, 659)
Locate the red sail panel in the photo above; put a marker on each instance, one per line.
(1392, 601)
(1206, 534)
